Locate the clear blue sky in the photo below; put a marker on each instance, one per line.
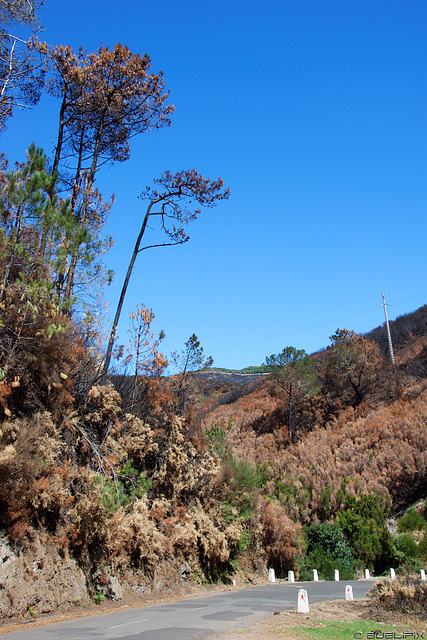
(314, 114)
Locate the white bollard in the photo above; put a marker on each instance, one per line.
(303, 606)
(349, 592)
(422, 574)
(315, 576)
(291, 576)
(234, 583)
(392, 574)
(336, 575)
(271, 575)
(367, 574)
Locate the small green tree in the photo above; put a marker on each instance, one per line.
(43, 240)
(332, 541)
(28, 217)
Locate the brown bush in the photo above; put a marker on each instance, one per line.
(280, 536)
(30, 450)
(404, 595)
(37, 351)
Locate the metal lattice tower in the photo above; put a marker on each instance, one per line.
(390, 344)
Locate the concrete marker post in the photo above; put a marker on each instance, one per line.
(315, 576)
(349, 592)
(336, 575)
(367, 574)
(271, 575)
(303, 606)
(392, 574)
(291, 576)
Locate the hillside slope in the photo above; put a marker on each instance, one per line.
(102, 492)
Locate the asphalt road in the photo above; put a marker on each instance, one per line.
(191, 618)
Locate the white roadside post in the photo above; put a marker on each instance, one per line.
(349, 592)
(392, 574)
(336, 575)
(303, 606)
(271, 575)
(315, 576)
(422, 574)
(291, 576)
(367, 574)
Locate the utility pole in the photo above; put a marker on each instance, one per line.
(390, 344)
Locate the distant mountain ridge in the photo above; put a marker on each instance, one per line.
(235, 377)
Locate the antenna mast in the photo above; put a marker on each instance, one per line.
(390, 344)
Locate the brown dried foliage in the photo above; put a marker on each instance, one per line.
(403, 595)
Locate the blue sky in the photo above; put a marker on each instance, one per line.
(313, 113)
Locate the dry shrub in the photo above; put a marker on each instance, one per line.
(92, 529)
(99, 414)
(49, 497)
(211, 541)
(180, 533)
(138, 439)
(181, 471)
(37, 351)
(279, 537)
(87, 430)
(30, 451)
(171, 461)
(39, 488)
(140, 538)
(244, 411)
(384, 452)
(404, 595)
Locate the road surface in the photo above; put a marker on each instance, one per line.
(191, 618)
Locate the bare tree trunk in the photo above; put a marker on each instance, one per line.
(122, 296)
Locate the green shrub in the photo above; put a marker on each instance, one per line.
(363, 523)
(325, 563)
(409, 553)
(286, 490)
(98, 597)
(128, 485)
(245, 476)
(243, 481)
(411, 521)
(217, 437)
(407, 545)
(331, 541)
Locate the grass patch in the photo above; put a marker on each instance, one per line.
(363, 629)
